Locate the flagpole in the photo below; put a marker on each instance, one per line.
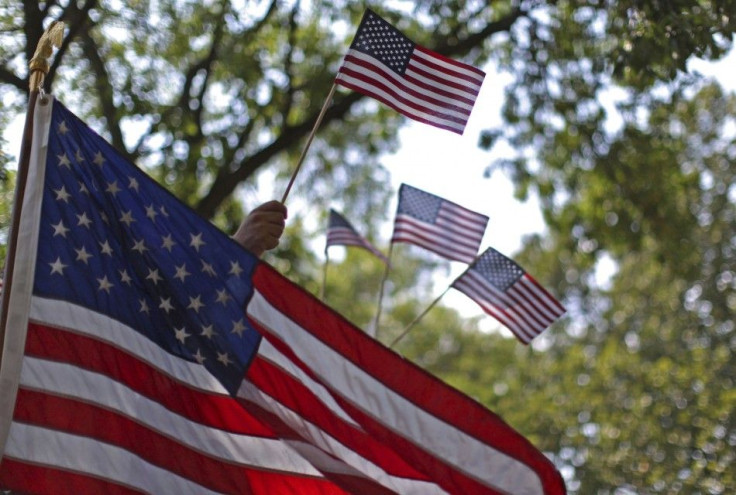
(39, 67)
(416, 320)
(380, 291)
(419, 317)
(324, 275)
(309, 140)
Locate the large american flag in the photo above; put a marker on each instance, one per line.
(147, 352)
(441, 226)
(417, 82)
(505, 291)
(341, 233)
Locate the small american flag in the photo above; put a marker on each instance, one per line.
(341, 233)
(509, 294)
(419, 83)
(441, 226)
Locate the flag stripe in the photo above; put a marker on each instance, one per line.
(324, 347)
(436, 239)
(31, 478)
(467, 72)
(97, 459)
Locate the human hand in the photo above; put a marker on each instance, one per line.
(262, 228)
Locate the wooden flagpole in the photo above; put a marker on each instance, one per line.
(309, 140)
(419, 317)
(324, 275)
(39, 67)
(380, 291)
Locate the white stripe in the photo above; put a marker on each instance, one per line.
(454, 447)
(428, 59)
(94, 388)
(84, 455)
(395, 81)
(447, 249)
(348, 461)
(416, 65)
(271, 354)
(429, 115)
(19, 297)
(62, 314)
(447, 234)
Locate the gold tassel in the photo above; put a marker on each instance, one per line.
(39, 64)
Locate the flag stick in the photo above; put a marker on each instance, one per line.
(309, 140)
(380, 291)
(324, 275)
(39, 67)
(419, 317)
(416, 320)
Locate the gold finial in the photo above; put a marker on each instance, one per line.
(39, 64)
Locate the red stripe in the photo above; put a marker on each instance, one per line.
(397, 374)
(558, 308)
(442, 85)
(295, 396)
(218, 411)
(391, 104)
(22, 477)
(451, 61)
(371, 69)
(456, 239)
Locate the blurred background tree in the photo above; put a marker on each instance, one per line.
(632, 159)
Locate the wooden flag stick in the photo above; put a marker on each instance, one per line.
(380, 291)
(324, 276)
(309, 140)
(419, 317)
(39, 67)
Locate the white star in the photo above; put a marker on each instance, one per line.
(223, 297)
(83, 188)
(62, 194)
(166, 304)
(199, 357)
(195, 303)
(163, 211)
(105, 248)
(83, 255)
(238, 327)
(63, 129)
(127, 218)
(113, 188)
(181, 334)
(208, 269)
(59, 229)
(196, 241)
(57, 267)
(168, 243)
(139, 246)
(64, 161)
(133, 184)
(208, 332)
(124, 277)
(79, 157)
(104, 284)
(153, 275)
(144, 307)
(223, 358)
(151, 212)
(83, 220)
(181, 272)
(99, 159)
(235, 268)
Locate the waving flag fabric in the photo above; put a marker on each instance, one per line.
(509, 294)
(441, 226)
(147, 352)
(341, 233)
(417, 82)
